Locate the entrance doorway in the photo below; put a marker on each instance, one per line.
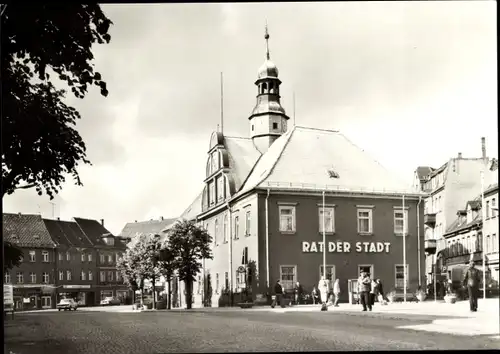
(366, 268)
(46, 302)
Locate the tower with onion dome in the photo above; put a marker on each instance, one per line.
(268, 120)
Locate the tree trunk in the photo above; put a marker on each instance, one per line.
(154, 292)
(189, 294)
(169, 306)
(142, 296)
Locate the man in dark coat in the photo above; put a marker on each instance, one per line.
(364, 288)
(471, 280)
(298, 293)
(278, 290)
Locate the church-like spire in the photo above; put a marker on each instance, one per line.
(266, 36)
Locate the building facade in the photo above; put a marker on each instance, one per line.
(266, 199)
(34, 281)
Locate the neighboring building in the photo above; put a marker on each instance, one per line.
(464, 240)
(133, 231)
(34, 280)
(449, 188)
(262, 202)
(109, 249)
(76, 262)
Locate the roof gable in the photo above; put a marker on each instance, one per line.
(26, 230)
(242, 158)
(95, 231)
(133, 229)
(67, 233)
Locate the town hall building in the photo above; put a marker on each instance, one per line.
(270, 198)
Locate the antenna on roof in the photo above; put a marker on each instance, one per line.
(221, 103)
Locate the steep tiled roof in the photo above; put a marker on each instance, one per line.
(26, 230)
(133, 229)
(67, 233)
(457, 226)
(303, 157)
(95, 231)
(242, 157)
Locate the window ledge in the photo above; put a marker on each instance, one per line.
(248, 235)
(400, 234)
(365, 233)
(327, 233)
(287, 232)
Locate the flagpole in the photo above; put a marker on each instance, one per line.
(404, 251)
(324, 238)
(483, 216)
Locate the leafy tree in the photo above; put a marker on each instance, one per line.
(12, 255)
(40, 142)
(123, 265)
(167, 268)
(189, 244)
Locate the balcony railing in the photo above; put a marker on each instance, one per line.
(430, 246)
(430, 219)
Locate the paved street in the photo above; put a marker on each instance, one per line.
(224, 331)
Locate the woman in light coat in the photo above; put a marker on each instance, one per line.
(336, 292)
(323, 287)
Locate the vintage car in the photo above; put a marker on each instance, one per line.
(67, 304)
(108, 301)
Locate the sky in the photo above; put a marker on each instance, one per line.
(412, 83)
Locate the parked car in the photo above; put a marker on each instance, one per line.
(67, 304)
(108, 301)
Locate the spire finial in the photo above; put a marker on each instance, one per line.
(266, 36)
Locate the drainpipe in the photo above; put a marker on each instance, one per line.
(418, 240)
(267, 241)
(230, 254)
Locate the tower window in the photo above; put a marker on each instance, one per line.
(252, 127)
(275, 125)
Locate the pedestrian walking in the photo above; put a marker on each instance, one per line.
(298, 292)
(472, 280)
(364, 288)
(323, 288)
(381, 298)
(315, 295)
(336, 292)
(373, 292)
(278, 291)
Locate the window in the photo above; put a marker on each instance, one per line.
(399, 271)
(91, 276)
(216, 232)
(288, 276)
(102, 258)
(225, 229)
(328, 220)
(488, 209)
(110, 275)
(216, 283)
(68, 275)
(102, 276)
(287, 218)
(214, 161)
(33, 278)
(45, 256)
(220, 188)
(247, 223)
(275, 125)
(68, 256)
(493, 207)
(226, 280)
(20, 277)
(469, 245)
(106, 293)
(6, 278)
(83, 275)
(365, 221)
(61, 275)
(32, 257)
(110, 258)
(118, 255)
(89, 257)
(368, 268)
(494, 243)
(61, 256)
(118, 276)
(330, 272)
(400, 218)
(236, 227)
(45, 277)
(211, 194)
(83, 256)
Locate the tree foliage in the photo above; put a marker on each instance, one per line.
(12, 255)
(189, 244)
(40, 142)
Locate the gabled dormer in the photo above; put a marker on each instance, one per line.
(108, 239)
(217, 180)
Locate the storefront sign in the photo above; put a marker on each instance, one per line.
(76, 286)
(345, 247)
(8, 294)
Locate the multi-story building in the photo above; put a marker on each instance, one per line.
(109, 249)
(490, 231)
(271, 198)
(76, 262)
(34, 280)
(448, 188)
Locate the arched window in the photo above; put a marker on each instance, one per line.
(216, 232)
(264, 87)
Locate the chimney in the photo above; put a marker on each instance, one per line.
(102, 222)
(459, 155)
(58, 218)
(136, 221)
(483, 147)
(161, 218)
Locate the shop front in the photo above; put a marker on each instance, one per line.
(33, 297)
(84, 295)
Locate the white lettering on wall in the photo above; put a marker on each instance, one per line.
(345, 247)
